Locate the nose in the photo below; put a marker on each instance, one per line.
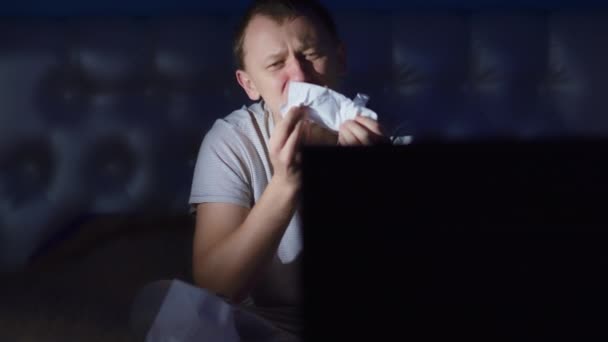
(297, 70)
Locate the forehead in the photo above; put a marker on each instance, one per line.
(264, 33)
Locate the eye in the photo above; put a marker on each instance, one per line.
(312, 55)
(275, 65)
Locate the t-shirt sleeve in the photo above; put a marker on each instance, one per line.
(221, 173)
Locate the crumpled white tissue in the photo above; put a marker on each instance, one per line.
(326, 107)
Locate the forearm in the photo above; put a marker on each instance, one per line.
(230, 267)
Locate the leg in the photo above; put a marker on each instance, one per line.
(174, 309)
(145, 307)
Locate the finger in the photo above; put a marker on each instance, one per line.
(362, 134)
(377, 132)
(347, 138)
(285, 127)
(306, 132)
(291, 145)
(322, 136)
(370, 124)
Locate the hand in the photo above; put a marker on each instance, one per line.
(361, 131)
(284, 142)
(319, 135)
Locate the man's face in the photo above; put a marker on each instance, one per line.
(297, 49)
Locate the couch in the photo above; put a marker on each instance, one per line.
(101, 119)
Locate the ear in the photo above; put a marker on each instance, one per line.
(341, 54)
(247, 84)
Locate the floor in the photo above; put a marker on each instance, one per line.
(84, 293)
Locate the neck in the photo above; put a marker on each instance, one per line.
(275, 117)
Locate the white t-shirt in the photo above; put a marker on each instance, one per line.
(233, 166)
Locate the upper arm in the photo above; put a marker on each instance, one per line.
(223, 171)
(214, 222)
(221, 188)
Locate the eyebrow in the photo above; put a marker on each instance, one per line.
(307, 43)
(274, 56)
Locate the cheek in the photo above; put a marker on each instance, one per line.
(320, 66)
(323, 68)
(273, 84)
(328, 73)
(275, 89)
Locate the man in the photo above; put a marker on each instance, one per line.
(247, 176)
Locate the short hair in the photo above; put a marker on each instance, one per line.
(279, 10)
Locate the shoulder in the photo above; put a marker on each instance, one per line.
(241, 127)
(246, 118)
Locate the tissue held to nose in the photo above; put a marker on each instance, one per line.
(327, 108)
